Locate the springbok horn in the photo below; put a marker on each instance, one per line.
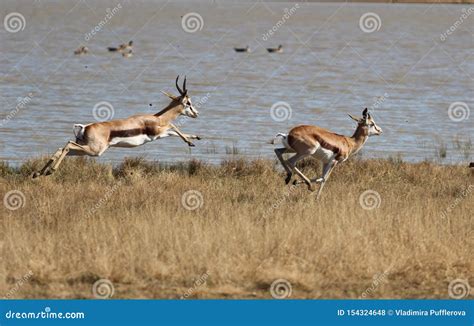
(177, 86)
(184, 86)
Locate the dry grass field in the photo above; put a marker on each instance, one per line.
(238, 230)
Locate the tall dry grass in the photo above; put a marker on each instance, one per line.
(128, 224)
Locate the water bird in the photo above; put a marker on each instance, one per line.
(81, 50)
(246, 49)
(279, 49)
(127, 54)
(122, 47)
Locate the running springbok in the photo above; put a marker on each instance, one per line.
(95, 138)
(327, 147)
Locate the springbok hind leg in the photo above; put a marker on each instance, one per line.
(48, 164)
(292, 164)
(279, 153)
(71, 148)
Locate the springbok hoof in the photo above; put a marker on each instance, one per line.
(288, 179)
(35, 175)
(191, 145)
(198, 138)
(49, 172)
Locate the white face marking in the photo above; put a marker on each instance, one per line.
(189, 109)
(373, 128)
(130, 141)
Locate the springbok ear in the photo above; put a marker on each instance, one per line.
(169, 95)
(354, 118)
(364, 113)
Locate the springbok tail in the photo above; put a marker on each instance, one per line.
(79, 131)
(282, 135)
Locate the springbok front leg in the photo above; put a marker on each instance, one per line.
(327, 169)
(187, 136)
(183, 136)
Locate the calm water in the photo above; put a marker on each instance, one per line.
(329, 68)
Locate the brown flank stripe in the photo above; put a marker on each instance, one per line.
(131, 132)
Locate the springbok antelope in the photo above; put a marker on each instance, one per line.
(327, 147)
(95, 138)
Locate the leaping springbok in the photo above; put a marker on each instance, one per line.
(95, 138)
(325, 146)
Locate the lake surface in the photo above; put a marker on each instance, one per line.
(404, 69)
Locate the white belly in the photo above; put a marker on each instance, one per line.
(130, 141)
(324, 155)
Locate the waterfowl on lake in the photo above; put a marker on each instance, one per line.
(246, 49)
(122, 47)
(81, 50)
(127, 54)
(279, 49)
